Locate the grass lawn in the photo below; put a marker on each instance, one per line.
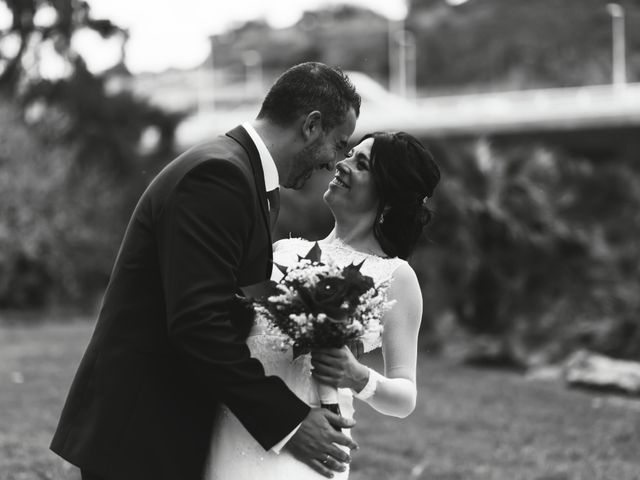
(469, 424)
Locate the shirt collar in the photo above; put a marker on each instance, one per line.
(271, 178)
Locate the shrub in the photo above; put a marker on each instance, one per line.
(59, 226)
(536, 249)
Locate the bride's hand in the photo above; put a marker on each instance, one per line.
(339, 368)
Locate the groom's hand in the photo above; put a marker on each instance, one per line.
(315, 441)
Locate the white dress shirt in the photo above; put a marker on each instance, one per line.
(271, 178)
(271, 181)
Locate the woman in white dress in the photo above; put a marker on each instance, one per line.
(378, 199)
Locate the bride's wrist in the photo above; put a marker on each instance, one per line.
(361, 378)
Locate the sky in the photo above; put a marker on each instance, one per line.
(174, 33)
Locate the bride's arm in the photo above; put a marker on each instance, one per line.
(393, 393)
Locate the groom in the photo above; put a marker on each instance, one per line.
(169, 344)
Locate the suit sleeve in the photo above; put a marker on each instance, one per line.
(202, 230)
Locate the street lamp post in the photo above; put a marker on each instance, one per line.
(619, 63)
(402, 60)
(395, 27)
(409, 48)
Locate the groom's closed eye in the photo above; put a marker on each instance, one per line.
(341, 146)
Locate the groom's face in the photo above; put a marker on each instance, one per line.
(321, 153)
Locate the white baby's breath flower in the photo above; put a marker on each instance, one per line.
(288, 314)
(300, 319)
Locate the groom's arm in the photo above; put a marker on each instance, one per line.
(201, 230)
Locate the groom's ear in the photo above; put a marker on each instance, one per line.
(312, 126)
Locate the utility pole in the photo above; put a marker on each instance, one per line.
(402, 60)
(618, 46)
(395, 29)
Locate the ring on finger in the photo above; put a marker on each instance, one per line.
(325, 460)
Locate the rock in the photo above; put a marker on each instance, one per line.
(545, 373)
(592, 370)
(491, 352)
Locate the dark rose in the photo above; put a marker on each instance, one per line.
(327, 297)
(359, 283)
(330, 294)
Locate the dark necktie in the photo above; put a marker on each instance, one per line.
(273, 196)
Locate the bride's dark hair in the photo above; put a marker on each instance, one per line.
(405, 174)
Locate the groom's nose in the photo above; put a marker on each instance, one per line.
(329, 166)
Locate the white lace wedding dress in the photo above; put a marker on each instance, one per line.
(234, 454)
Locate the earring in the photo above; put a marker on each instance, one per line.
(381, 219)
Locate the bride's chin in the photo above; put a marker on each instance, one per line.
(332, 189)
(329, 198)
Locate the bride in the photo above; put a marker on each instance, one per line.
(379, 201)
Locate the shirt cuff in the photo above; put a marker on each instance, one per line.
(280, 445)
(370, 388)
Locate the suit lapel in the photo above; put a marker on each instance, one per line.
(241, 136)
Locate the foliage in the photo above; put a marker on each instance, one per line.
(105, 122)
(497, 43)
(75, 144)
(62, 18)
(536, 248)
(106, 126)
(55, 239)
(318, 36)
(478, 45)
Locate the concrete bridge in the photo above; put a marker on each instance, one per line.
(592, 120)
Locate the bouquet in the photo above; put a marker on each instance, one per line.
(318, 304)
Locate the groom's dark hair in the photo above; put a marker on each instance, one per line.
(307, 87)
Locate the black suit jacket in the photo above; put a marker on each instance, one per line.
(169, 344)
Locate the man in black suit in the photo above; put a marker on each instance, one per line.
(169, 344)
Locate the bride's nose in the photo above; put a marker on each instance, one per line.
(342, 167)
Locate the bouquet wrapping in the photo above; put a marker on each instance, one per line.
(318, 304)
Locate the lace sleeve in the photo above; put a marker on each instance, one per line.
(381, 269)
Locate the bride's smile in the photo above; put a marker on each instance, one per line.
(353, 189)
(337, 181)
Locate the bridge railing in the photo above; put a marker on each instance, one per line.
(468, 114)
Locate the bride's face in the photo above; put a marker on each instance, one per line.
(353, 189)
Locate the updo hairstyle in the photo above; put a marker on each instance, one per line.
(405, 175)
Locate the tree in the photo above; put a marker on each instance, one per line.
(517, 43)
(535, 250)
(64, 18)
(73, 138)
(107, 125)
